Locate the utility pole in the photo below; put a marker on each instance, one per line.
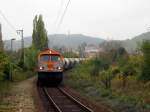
(11, 64)
(20, 32)
(12, 43)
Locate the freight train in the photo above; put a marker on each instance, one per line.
(51, 65)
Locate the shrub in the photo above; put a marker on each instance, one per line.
(31, 58)
(106, 77)
(99, 63)
(145, 74)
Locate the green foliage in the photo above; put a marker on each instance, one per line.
(21, 61)
(39, 36)
(2, 75)
(99, 63)
(20, 75)
(127, 70)
(106, 77)
(1, 41)
(112, 69)
(81, 70)
(115, 71)
(118, 55)
(1, 45)
(9, 65)
(136, 61)
(4, 63)
(31, 58)
(96, 67)
(145, 73)
(2, 60)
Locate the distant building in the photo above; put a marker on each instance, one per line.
(92, 50)
(1, 41)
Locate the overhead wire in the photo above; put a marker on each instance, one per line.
(59, 12)
(62, 17)
(1, 13)
(9, 23)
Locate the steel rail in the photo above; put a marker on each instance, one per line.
(51, 100)
(76, 101)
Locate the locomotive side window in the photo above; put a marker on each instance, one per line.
(44, 58)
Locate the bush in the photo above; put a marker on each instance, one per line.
(2, 76)
(106, 77)
(145, 74)
(98, 64)
(31, 58)
(4, 66)
(105, 93)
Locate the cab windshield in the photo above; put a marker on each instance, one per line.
(44, 58)
(53, 58)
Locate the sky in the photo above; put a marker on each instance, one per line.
(107, 19)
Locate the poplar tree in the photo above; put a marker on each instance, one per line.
(39, 36)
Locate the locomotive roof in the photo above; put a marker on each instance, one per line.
(50, 51)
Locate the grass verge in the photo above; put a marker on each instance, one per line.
(133, 98)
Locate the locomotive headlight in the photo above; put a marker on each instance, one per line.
(59, 68)
(41, 68)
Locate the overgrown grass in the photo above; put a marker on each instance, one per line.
(22, 75)
(6, 86)
(135, 97)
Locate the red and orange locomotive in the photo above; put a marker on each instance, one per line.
(50, 66)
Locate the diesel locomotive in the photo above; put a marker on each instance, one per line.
(50, 66)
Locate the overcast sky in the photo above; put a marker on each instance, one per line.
(113, 19)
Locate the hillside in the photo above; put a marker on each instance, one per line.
(74, 40)
(59, 40)
(132, 44)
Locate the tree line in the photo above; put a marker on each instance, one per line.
(10, 60)
(117, 62)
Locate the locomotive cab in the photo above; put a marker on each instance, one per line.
(50, 67)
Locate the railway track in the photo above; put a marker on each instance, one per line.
(60, 101)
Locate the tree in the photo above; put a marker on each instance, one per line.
(4, 66)
(106, 78)
(109, 45)
(31, 58)
(39, 36)
(136, 61)
(145, 74)
(1, 41)
(127, 70)
(100, 63)
(122, 57)
(118, 54)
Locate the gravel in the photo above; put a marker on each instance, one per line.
(20, 99)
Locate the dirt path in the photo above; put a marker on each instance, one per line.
(21, 98)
